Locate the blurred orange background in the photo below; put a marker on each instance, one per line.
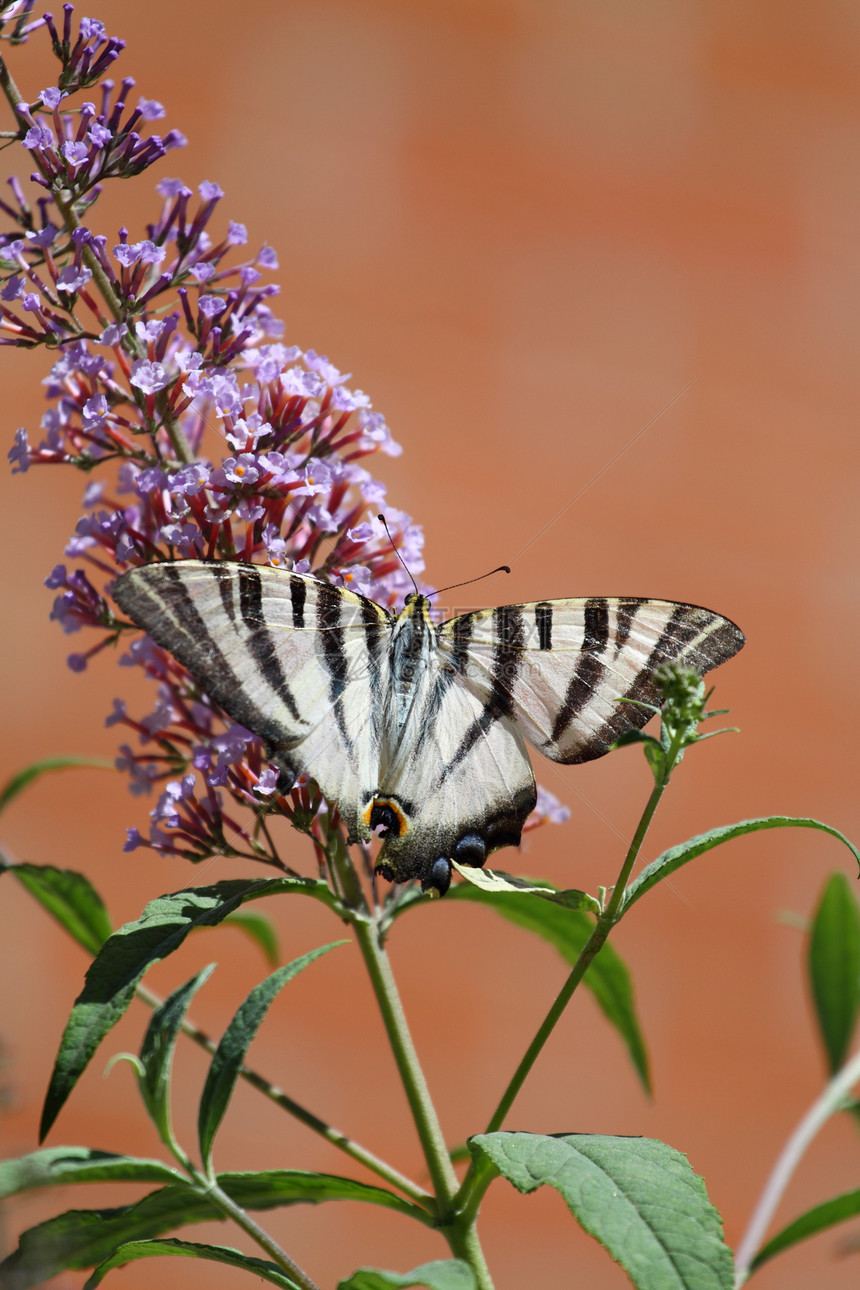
(598, 264)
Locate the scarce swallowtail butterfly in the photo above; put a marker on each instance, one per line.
(411, 728)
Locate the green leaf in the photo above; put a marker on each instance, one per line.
(834, 967)
(675, 857)
(568, 930)
(497, 882)
(637, 1196)
(68, 897)
(23, 778)
(814, 1220)
(442, 1274)
(269, 1189)
(132, 1250)
(261, 930)
(156, 1052)
(57, 1166)
(122, 960)
(83, 1238)
(229, 1055)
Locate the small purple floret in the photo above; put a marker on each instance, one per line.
(19, 453)
(148, 377)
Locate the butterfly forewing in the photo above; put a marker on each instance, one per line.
(300, 663)
(567, 671)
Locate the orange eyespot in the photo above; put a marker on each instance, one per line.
(384, 813)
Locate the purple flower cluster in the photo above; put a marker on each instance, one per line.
(77, 150)
(214, 437)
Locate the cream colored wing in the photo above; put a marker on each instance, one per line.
(302, 664)
(458, 787)
(559, 668)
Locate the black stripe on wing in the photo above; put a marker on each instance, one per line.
(260, 642)
(625, 615)
(298, 595)
(461, 632)
(329, 605)
(509, 627)
(590, 666)
(683, 626)
(225, 578)
(543, 622)
(168, 614)
(376, 645)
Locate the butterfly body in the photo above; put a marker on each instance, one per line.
(411, 728)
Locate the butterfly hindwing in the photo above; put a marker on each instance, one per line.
(302, 664)
(460, 786)
(560, 668)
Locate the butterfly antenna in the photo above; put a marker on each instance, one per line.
(503, 568)
(384, 524)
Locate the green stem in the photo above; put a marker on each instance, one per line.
(831, 1100)
(614, 903)
(463, 1240)
(427, 1124)
(256, 1233)
(478, 1179)
(459, 1232)
(605, 922)
(458, 1229)
(208, 1186)
(332, 1135)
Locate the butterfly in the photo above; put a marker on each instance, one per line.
(409, 728)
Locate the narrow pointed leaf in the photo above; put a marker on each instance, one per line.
(83, 1238)
(156, 1051)
(680, 855)
(442, 1274)
(58, 1166)
(814, 1220)
(637, 1196)
(607, 977)
(124, 958)
(271, 1188)
(68, 897)
(25, 777)
(132, 1250)
(834, 967)
(261, 930)
(497, 882)
(230, 1053)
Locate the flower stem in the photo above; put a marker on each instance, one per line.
(458, 1229)
(602, 928)
(478, 1179)
(830, 1101)
(412, 1077)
